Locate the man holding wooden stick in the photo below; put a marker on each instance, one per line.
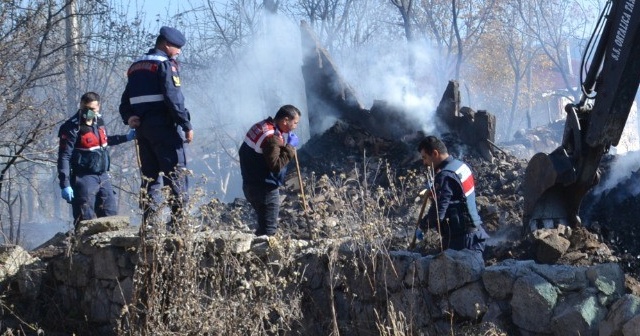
(454, 212)
(268, 147)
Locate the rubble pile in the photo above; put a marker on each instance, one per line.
(345, 150)
(614, 216)
(381, 142)
(543, 139)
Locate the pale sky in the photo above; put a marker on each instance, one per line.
(162, 8)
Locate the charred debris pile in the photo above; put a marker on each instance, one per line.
(358, 152)
(385, 133)
(376, 149)
(384, 139)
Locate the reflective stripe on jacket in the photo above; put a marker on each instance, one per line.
(153, 92)
(253, 159)
(464, 177)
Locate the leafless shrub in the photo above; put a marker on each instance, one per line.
(183, 286)
(373, 205)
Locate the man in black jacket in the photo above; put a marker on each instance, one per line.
(454, 211)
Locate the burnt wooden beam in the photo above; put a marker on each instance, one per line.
(328, 94)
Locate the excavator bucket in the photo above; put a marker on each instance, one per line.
(546, 202)
(555, 183)
(552, 187)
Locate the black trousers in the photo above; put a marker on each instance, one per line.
(265, 199)
(474, 239)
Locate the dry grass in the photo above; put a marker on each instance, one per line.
(183, 287)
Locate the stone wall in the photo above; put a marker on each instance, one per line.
(346, 285)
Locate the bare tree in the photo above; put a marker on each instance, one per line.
(33, 53)
(455, 28)
(406, 12)
(554, 24)
(46, 43)
(522, 53)
(329, 19)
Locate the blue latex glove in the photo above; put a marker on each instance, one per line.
(67, 194)
(131, 135)
(419, 235)
(292, 139)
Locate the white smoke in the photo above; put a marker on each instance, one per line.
(621, 171)
(266, 74)
(630, 138)
(260, 78)
(382, 72)
(238, 91)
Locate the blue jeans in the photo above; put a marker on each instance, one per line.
(265, 199)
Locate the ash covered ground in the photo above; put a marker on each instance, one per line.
(352, 177)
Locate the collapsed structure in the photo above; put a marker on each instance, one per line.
(328, 94)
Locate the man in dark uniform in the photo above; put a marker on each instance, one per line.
(267, 149)
(454, 211)
(153, 104)
(83, 161)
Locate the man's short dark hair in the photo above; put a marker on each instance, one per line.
(287, 111)
(89, 97)
(430, 143)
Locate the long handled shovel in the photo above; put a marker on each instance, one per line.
(304, 200)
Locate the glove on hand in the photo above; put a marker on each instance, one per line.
(67, 194)
(292, 139)
(419, 235)
(131, 135)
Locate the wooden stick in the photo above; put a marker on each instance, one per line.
(304, 200)
(143, 225)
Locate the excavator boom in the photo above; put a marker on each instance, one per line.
(555, 183)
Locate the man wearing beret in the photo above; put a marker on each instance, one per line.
(153, 104)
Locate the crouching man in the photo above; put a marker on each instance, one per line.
(454, 211)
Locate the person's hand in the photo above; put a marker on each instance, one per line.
(428, 192)
(188, 136)
(419, 235)
(67, 194)
(292, 139)
(133, 121)
(131, 135)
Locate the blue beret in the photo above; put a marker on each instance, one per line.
(173, 36)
